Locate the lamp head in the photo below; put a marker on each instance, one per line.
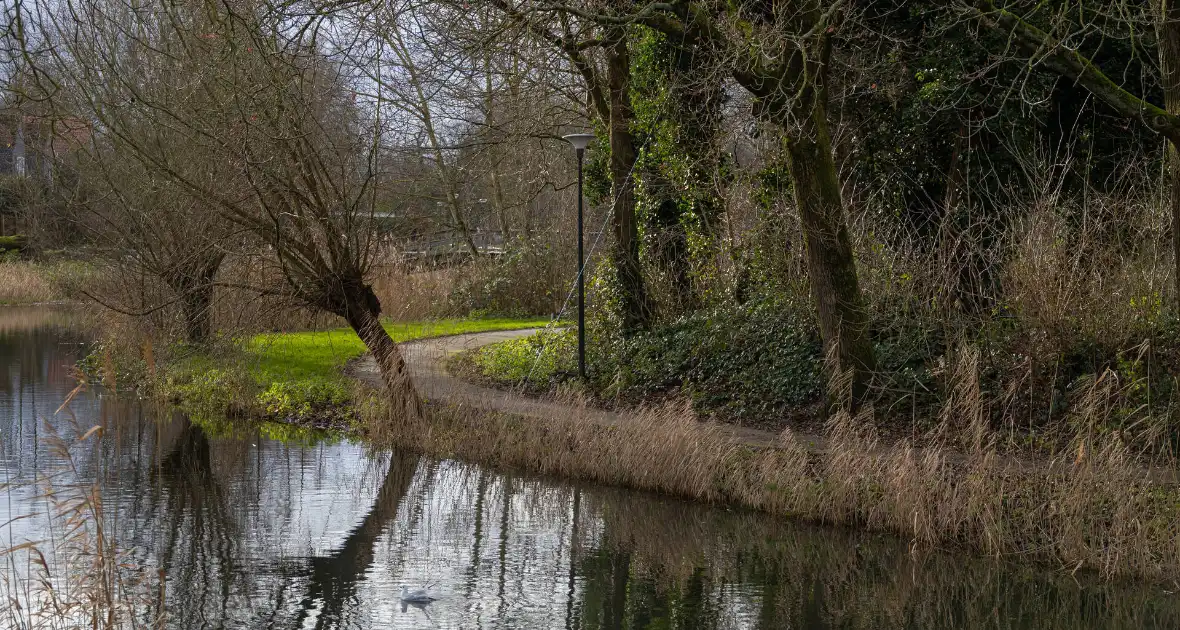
(579, 140)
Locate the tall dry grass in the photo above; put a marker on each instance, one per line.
(1094, 507)
(408, 293)
(26, 282)
(78, 576)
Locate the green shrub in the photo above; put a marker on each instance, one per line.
(303, 398)
(109, 361)
(539, 357)
(743, 361)
(209, 395)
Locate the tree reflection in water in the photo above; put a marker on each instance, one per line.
(333, 578)
(254, 533)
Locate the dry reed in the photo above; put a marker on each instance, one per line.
(1098, 509)
(78, 576)
(23, 282)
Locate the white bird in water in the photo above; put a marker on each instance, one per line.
(416, 596)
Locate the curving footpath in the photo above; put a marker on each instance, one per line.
(427, 360)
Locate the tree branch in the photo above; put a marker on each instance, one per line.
(1043, 49)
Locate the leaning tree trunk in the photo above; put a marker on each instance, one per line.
(636, 309)
(362, 312)
(843, 318)
(1169, 38)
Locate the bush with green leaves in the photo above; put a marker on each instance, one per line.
(745, 362)
(209, 395)
(751, 361)
(540, 357)
(304, 398)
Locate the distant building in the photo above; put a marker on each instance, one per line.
(30, 149)
(30, 145)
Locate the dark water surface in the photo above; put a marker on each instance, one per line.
(252, 532)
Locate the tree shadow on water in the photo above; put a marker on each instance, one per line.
(333, 579)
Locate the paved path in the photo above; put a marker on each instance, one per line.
(427, 360)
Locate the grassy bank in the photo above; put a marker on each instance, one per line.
(29, 282)
(1093, 513)
(296, 377)
(1081, 476)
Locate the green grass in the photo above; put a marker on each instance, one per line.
(298, 376)
(293, 356)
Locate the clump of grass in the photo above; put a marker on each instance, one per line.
(28, 282)
(663, 448)
(540, 357)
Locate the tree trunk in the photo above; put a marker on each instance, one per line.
(196, 304)
(843, 318)
(1169, 38)
(671, 252)
(494, 157)
(193, 282)
(362, 315)
(636, 311)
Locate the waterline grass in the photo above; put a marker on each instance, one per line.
(27, 282)
(1098, 513)
(78, 575)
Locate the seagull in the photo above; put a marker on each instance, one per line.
(416, 596)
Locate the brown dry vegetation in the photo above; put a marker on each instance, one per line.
(27, 282)
(78, 575)
(1097, 509)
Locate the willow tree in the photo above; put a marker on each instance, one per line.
(290, 158)
(147, 230)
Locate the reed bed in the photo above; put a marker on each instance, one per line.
(25, 282)
(1096, 509)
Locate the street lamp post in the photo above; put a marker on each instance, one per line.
(580, 141)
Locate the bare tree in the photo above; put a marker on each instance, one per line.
(607, 84)
(254, 94)
(1052, 51)
(147, 229)
(411, 81)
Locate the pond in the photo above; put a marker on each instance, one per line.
(251, 532)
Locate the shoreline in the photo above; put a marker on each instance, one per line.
(1097, 513)
(1102, 512)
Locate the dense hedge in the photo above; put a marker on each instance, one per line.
(742, 361)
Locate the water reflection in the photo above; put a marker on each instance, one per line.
(253, 533)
